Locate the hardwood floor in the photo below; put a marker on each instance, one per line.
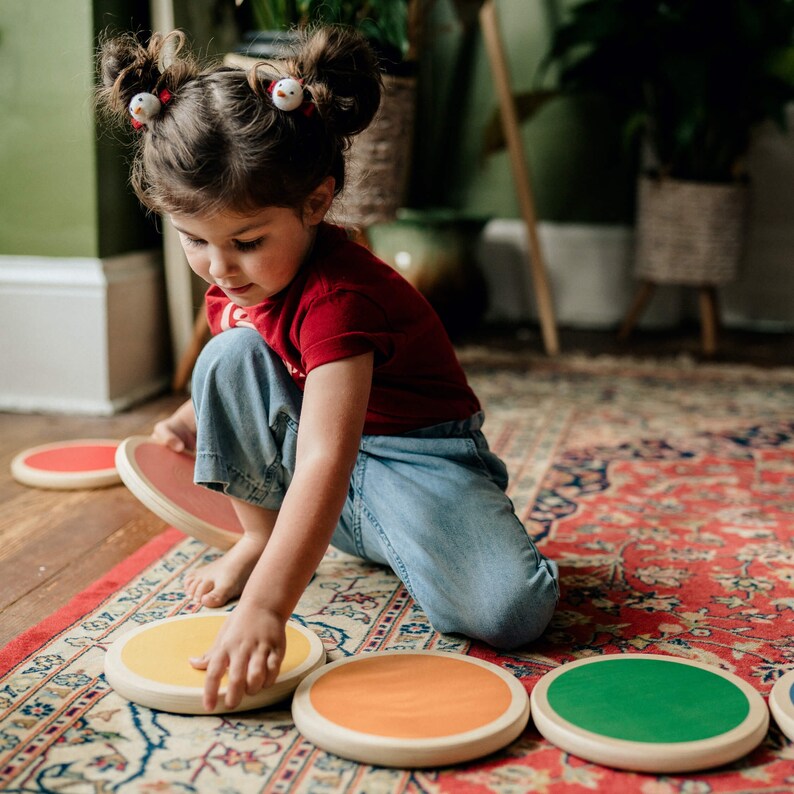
(53, 544)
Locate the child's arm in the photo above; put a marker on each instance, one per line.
(178, 431)
(252, 643)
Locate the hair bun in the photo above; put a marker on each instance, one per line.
(341, 71)
(127, 67)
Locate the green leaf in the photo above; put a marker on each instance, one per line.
(696, 75)
(780, 64)
(527, 105)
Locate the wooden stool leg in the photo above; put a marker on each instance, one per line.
(709, 319)
(520, 169)
(641, 298)
(201, 333)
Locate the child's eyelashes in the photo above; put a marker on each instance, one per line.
(193, 241)
(240, 245)
(248, 245)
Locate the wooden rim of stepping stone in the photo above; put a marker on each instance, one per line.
(649, 713)
(149, 665)
(781, 703)
(163, 481)
(410, 708)
(68, 465)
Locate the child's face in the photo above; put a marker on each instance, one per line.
(254, 256)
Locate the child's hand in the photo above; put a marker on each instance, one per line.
(178, 431)
(250, 647)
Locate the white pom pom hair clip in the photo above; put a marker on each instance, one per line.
(287, 95)
(147, 106)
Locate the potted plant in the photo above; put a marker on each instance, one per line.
(435, 250)
(690, 80)
(386, 23)
(379, 157)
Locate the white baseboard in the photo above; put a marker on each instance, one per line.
(81, 335)
(590, 271)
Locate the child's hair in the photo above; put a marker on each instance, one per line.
(219, 143)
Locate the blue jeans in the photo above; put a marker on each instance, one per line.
(430, 504)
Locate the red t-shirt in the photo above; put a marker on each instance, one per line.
(344, 302)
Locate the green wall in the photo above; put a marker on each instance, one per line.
(63, 191)
(46, 138)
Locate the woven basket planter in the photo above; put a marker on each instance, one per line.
(379, 159)
(689, 232)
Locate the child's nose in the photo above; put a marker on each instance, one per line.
(220, 265)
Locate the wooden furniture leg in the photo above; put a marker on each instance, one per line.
(641, 298)
(709, 319)
(184, 369)
(496, 55)
(178, 276)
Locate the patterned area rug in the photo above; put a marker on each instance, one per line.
(665, 493)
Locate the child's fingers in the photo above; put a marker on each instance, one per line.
(250, 675)
(257, 674)
(174, 435)
(236, 681)
(199, 662)
(263, 670)
(175, 443)
(273, 666)
(215, 669)
(163, 434)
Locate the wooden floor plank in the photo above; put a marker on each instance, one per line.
(54, 539)
(53, 591)
(53, 544)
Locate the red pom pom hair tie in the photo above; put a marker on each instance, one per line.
(144, 107)
(287, 94)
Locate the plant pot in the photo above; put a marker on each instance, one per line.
(435, 251)
(378, 163)
(689, 232)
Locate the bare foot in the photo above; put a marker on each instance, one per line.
(221, 580)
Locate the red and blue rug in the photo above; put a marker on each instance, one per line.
(664, 492)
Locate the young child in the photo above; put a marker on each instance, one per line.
(329, 404)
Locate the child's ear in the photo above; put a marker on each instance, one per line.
(319, 202)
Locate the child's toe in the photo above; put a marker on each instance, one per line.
(215, 598)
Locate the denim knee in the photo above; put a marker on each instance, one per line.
(434, 507)
(513, 611)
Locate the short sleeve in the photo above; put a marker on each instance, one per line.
(341, 324)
